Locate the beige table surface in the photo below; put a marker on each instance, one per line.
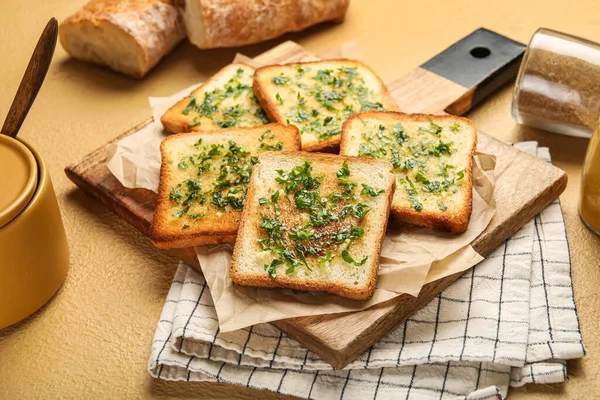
(93, 339)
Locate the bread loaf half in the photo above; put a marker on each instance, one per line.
(128, 36)
(229, 23)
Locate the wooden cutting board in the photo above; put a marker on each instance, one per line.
(453, 81)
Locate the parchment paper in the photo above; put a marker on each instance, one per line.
(410, 256)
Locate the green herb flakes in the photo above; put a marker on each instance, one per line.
(299, 176)
(455, 127)
(368, 190)
(366, 151)
(247, 111)
(281, 80)
(414, 202)
(175, 195)
(360, 210)
(181, 212)
(182, 164)
(325, 259)
(441, 206)
(272, 268)
(444, 169)
(318, 230)
(344, 172)
(433, 128)
(442, 148)
(195, 122)
(233, 166)
(266, 135)
(301, 69)
(262, 116)
(348, 258)
(271, 147)
(339, 92)
(275, 196)
(325, 76)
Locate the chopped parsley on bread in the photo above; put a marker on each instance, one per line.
(315, 222)
(203, 182)
(432, 157)
(319, 96)
(224, 101)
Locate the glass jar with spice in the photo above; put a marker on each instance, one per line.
(558, 86)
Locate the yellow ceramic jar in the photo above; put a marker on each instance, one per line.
(34, 254)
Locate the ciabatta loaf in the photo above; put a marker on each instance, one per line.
(432, 156)
(319, 96)
(314, 222)
(203, 182)
(128, 36)
(224, 101)
(227, 23)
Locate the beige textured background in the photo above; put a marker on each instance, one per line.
(92, 341)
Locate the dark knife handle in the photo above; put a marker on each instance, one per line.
(461, 76)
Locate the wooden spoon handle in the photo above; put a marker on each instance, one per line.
(32, 79)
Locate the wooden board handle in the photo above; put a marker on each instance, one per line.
(461, 76)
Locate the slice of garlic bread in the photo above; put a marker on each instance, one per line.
(224, 101)
(315, 222)
(319, 96)
(432, 157)
(203, 182)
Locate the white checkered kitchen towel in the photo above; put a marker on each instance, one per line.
(473, 341)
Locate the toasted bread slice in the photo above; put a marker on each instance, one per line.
(432, 157)
(315, 222)
(319, 96)
(224, 101)
(203, 182)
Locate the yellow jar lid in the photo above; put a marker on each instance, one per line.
(18, 178)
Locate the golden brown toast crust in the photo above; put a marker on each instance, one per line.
(249, 221)
(456, 223)
(215, 231)
(331, 145)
